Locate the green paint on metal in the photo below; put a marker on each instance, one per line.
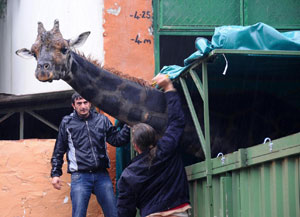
(278, 190)
(197, 82)
(236, 205)
(156, 38)
(216, 195)
(193, 15)
(226, 196)
(255, 198)
(265, 182)
(283, 147)
(243, 13)
(242, 156)
(274, 12)
(261, 180)
(208, 32)
(193, 114)
(244, 193)
(255, 52)
(244, 6)
(198, 13)
(207, 137)
(206, 111)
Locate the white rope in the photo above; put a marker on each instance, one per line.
(226, 66)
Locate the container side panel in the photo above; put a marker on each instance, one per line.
(267, 189)
(216, 195)
(278, 187)
(266, 192)
(198, 13)
(255, 189)
(245, 193)
(236, 199)
(291, 187)
(274, 12)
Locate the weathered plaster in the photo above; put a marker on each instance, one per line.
(25, 183)
(114, 11)
(121, 36)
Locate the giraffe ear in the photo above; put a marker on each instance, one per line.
(77, 42)
(25, 53)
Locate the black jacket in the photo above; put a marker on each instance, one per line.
(163, 185)
(84, 141)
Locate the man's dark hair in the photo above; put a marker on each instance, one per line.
(75, 96)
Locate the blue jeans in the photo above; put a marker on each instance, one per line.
(98, 183)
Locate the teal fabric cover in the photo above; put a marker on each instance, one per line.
(122, 158)
(259, 36)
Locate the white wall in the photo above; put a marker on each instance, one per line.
(19, 30)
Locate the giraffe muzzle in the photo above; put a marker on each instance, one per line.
(44, 72)
(44, 75)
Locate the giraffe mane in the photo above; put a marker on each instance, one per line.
(114, 71)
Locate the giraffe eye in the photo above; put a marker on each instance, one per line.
(64, 50)
(33, 54)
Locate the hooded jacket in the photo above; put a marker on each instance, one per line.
(163, 184)
(84, 142)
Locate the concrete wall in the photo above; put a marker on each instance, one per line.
(19, 29)
(25, 183)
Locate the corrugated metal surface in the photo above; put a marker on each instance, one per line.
(253, 188)
(270, 189)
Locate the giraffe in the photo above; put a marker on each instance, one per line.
(125, 98)
(132, 100)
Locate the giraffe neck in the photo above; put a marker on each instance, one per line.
(123, 99)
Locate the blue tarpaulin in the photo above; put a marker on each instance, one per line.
(259, 36)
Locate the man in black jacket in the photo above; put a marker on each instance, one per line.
(82, 136)
(155, 182)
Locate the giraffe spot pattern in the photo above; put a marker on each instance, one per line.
(109, 83)
(135, 114)
(131, 94)
(155, 101)
(113, 102)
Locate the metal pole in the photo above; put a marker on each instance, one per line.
(21, 132)
(193, 114)
(40, 118)
(6, 116)
(207, 138)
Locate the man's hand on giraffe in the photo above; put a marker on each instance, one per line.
(163, 81)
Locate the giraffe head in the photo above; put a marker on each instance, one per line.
(52, 52)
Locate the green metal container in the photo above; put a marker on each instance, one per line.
(200, 17)
(259, 181)
(252, 182)
(193, 15)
